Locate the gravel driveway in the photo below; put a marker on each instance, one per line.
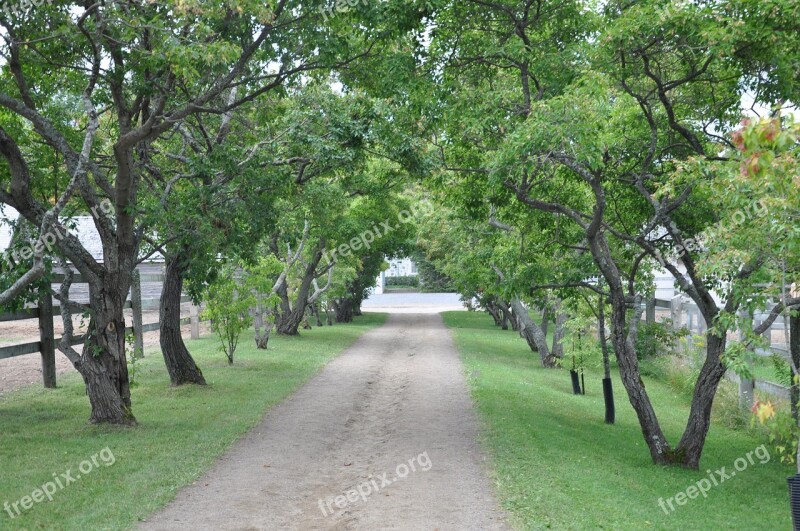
(384, 437)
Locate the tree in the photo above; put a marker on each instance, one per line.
(597, 148)
(150, 67)
(764, 171)
(229, 303)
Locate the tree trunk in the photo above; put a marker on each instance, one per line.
(512, 318)
(558, 335)
(546, 314)
(103, 363)
(494, 312)
(533, 334)
(505, 313)
(315, 311)
(290, 322)
(690, 447)
(343, 309)
(660, 451)
(608, 388)
(181, 366)
(262, 340)
(623, 338)
(284, 309)
(601, 332)
(794, 352)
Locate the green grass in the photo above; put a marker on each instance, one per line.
(558, 465)
(181, 431)
(764, 369)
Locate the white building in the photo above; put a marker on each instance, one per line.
(81, 226)
(398, 267)
(401, 267)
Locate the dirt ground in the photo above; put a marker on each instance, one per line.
(27, 370)
(383, 438)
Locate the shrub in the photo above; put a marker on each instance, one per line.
(783, 371)
(228, 307)
(432, 280)
(403, 281)
(655, 339)
(782, 430)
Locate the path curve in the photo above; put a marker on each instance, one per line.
(388, 427)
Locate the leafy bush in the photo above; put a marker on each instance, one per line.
(783, 371)
(432, 280)
(403, 281)
(227, 306)
(583, 351)
(656, 339)
(782, 430)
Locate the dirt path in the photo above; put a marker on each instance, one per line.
(388, 427)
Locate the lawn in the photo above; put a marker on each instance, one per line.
(558, 465)
(181, 431)
(764, 369)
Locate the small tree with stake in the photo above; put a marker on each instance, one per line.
(583, 349)
(228, 309)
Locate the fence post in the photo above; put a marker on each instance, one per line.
(47, 339)
(675, 307)
(701, 323)
(194, 321)
(136, 306)
(650, 310)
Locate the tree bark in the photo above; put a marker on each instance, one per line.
(290, 322)
(181, 366)
(261, 337)
(623, 339)
(546, 314)
(601, 329)
(558, 335)
(794, 352)
(494, 312)
(343, 308)
(505, 313)
(660, 451)
(690, 447)
(103, 364)
(533, 334)
(513, 319)
(315, 311)
(263, 341)
(284, 309)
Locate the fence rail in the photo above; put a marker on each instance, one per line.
(685, 314)
(45, 311)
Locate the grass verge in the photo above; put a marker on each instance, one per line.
(558, 465)
(181, 431)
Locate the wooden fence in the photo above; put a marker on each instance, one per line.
(685, 314)
(45, 311)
